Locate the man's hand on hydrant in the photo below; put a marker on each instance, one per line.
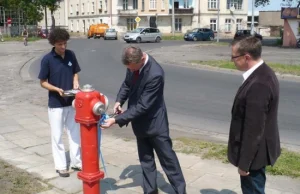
(108, 123)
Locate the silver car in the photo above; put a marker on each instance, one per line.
(110, 33)
(143, 35)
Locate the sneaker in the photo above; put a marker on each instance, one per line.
(63, 173)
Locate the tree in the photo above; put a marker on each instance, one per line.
(30, 9)
(52, 5)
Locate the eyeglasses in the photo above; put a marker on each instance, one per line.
(234, 57)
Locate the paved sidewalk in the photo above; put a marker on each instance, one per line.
(25, 143)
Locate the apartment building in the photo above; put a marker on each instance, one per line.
(121, 14)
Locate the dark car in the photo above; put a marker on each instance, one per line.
(245, 33)
(199, 34)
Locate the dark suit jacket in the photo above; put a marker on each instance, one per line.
(254, 137)
(146, 106)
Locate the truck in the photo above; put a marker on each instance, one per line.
(97, 30)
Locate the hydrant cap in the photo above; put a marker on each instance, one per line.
(87, 88)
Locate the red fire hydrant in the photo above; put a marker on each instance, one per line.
(89, 105)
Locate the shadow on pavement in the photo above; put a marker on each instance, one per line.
(214, 191)
(133, 172)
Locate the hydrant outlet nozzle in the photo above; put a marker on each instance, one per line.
(99, 108)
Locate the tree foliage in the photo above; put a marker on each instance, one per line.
(266, 2)
(32, 9)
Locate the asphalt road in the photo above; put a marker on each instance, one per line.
(196, 99)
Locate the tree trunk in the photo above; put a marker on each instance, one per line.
(53, 20)
(46, 21)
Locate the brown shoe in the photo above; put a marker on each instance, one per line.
(63, 173)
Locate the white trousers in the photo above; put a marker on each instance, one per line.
(64, 118)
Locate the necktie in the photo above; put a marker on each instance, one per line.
(136, 76)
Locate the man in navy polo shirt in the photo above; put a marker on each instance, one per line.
(59, 72)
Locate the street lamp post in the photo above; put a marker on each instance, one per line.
(218, 23)
(173, 19)
(252, 21)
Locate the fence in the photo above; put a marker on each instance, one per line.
(16, 30)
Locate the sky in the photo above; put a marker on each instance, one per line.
(273, 6)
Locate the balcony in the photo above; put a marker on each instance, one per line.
(127, 12)
(185, 11)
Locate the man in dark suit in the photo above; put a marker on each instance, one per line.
(254, 137)
(144, 89)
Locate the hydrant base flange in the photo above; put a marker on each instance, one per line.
(90, 177)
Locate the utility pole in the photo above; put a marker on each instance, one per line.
(173, 18)
(218, 22)
(19, 11)
(252, 21)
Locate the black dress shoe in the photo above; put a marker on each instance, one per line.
(63, 173)
(76, 168)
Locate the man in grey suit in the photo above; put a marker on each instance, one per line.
(254, 137)
(144, 89)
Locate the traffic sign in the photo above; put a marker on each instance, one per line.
(137, 19)
(8, 20)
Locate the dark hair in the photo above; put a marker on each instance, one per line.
(58, 34)
(132, 54)
(248, 45)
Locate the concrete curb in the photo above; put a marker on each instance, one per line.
(24, 70)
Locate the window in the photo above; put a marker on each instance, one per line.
(227, 25)
(82, 8)
(71, 10)
(135, 4)
(93, 7)
(212, 4)
(185, 3)
(72, 25)
(125, 4)
(88, 7)
(152, 4)
(178, 24)
(213, 24)
(93, 21)
(131, 24)
(100, 7)
(77, 26)
(153, 30)
(162, 4)
(100, 21)
(239, 24)
(143, 5)
(237, 4)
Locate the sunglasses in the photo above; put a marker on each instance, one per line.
(234, 57)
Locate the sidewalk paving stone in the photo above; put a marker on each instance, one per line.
(45, 171)
(30, 142)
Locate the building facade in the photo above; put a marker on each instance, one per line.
(291, 17)
(78, 15)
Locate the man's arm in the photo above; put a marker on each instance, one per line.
(124, 90)
(76, 81)
(50, 87)
(147, 99)
(76, 70)
(257, 102)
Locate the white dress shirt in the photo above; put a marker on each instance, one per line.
(251, 70)
(146, 61)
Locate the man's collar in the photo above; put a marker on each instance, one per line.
(251, 70)
(146, 61)
(53, 52)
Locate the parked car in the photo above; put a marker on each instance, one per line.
(199, 34)
(246, 33)
(143, 35)
(110, 33)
